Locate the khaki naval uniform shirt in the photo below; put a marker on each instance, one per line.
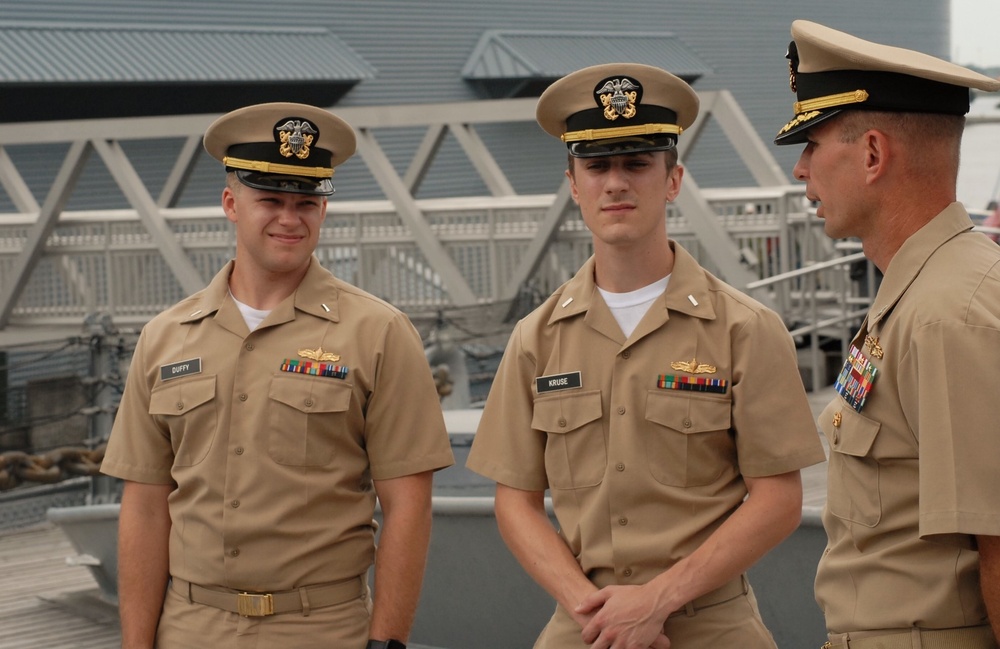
(274, 468)
(913, 471)
(641, 475)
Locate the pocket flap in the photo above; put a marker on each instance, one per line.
(566, 412)
(179, 398)
(686, 413)
(854, 436)
(311, 394)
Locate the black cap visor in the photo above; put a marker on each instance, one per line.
(285, 183)
(795, 131)
(622, 145)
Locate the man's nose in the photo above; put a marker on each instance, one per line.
(799, 171)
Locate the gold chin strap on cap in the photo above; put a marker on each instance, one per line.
(278, 168)
(829, 101)
(619, 131)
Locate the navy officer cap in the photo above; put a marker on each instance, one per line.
(617, 108)
(282, 147)
(830, 72)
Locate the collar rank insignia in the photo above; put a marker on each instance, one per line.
(619, 97)
(856, 379)
(319, 355)
(871, 342)
(693, 367)
(295, 135)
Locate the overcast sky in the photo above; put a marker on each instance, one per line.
(975, 32)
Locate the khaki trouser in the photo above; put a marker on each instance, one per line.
(189, 625)
(969, 637)
(733, 622)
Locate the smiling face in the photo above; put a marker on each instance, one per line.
(623, 197)
(276, 232)
(833, 169)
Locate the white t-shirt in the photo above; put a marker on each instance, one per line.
(253, 317)
(629, 308)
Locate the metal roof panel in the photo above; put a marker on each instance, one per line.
(81, 53)
(552, 54)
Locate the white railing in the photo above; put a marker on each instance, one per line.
(108, 261)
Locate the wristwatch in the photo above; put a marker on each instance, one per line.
(385, 644)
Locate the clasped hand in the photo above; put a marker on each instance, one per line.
(622, 617)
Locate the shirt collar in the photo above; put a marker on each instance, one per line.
(913, 255)
(317, 295)
(687, 292)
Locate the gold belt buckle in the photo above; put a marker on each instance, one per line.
(255, 605)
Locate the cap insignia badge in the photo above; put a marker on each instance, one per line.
(875, 349)
(319, 355)
(693, 367)
(793, 65)
(296, 136)
(618, 96)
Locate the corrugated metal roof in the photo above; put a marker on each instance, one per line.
(78, 52)
(526, 54)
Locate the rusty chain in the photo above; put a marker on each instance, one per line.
(18, 467)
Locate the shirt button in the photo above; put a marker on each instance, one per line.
(243, 397)
(239, 450)
(686, 422)
(621, 410)
(180, 406)
(627, 353)
(562, 423)
(620, 466)
(627, 572)
(623, 521)
(309, 403)
(235, 552)
(235, 504)
(249, 347)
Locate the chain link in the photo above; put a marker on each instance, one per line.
(18, 467)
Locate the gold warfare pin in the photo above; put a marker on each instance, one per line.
(875, 349)
(319, 355)
(693, 367)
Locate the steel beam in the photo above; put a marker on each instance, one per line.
(138, 196)
(394, 188)
(479, 155)
(183, 167)
(15, 186)
(48, 216)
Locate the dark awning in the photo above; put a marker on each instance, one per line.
(523, 63)
(148, 70)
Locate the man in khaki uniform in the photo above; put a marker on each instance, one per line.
(260, 419)
(913, 503)
(662, 408)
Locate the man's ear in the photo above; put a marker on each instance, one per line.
(674, 182)
(572, 187)
(229, 204)
(878, 154)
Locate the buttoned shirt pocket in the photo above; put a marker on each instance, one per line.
(187, 407)
(688, 440)
(853, 474)
(305, 416)
(575, 452)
